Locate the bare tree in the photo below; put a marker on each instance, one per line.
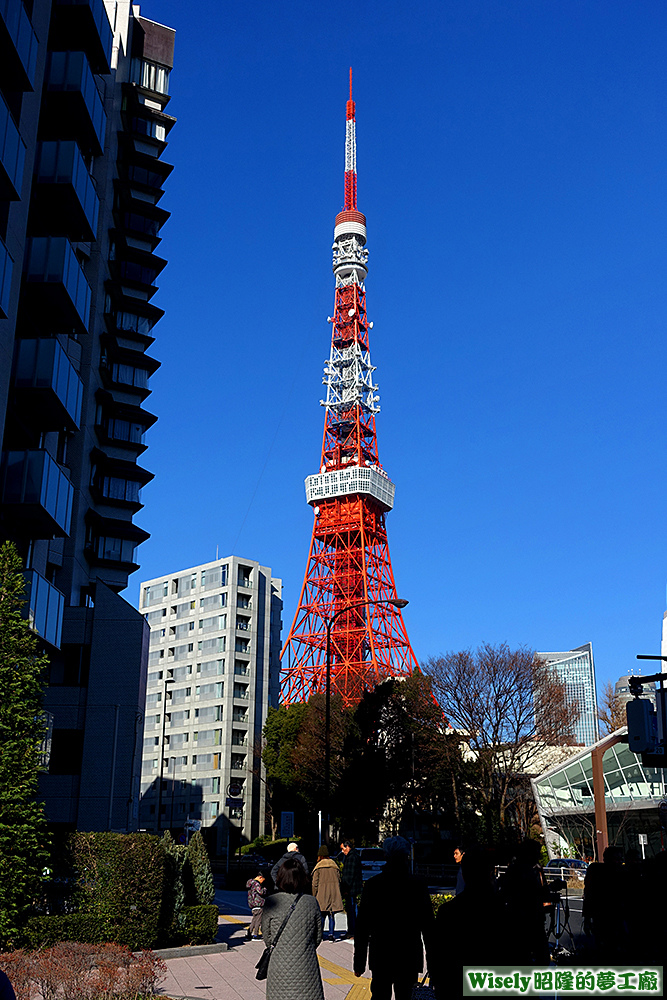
(509, 706)
(611, 710)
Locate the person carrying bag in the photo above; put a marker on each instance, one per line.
(292, 930)
(263, 964)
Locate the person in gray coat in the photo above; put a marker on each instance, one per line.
(294, 973)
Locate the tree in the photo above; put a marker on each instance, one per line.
(23, 832)
(200, 868)
(508, 707)
(611, 710)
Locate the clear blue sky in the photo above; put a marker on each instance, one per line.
(512, 160)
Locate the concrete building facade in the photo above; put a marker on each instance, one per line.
(576, 668)
(83, 126)
(213, 671)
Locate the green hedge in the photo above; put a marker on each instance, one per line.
(200, 924)
(43, 932)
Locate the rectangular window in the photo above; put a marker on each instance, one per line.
(214, 601)
(151, 741)
(154, 594)
(153, 699)
(242, 669)
(211, 667)
(155, 656)
(184, 629)
(238, 761)
(243, 601)
(216, 623)
(239, 714)
(210, 690)
(155, 616)
(217, 645)
(121, 489)
(241, 691)
(239, 738)
(242, 645)
(150, 75)
(216, 577)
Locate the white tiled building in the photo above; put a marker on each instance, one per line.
(213, 670)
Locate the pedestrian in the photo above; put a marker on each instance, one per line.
(526, 900)
(256, 893)
(395, 955)
(294, 973)
(604, 885)
(458, 858)
(291, 852)
(351, 883)
(326, 889)
(466, 927)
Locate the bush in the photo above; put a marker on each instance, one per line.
(42, 932)
(75, 971)
(121, 879)
(439, 899)
(200, 924)
(203, 890)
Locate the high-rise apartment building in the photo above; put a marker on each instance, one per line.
(83, 126)
(213, 670)
(576, 668)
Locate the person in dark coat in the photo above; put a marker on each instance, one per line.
(395, 959)
(604, 885)
(351, 882)
(291, 852)
(467, 927)
(294, 973)
(526, 897)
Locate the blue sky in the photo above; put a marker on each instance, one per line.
(511, 160)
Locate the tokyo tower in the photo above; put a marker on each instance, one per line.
(348, 594)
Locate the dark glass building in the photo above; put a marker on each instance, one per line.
(83, 127)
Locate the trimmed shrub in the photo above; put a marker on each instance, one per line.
(121, 878)
(200, 924)
(173, 891)
(203, 890)
(43, 932)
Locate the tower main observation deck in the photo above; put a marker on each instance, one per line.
(348, 564)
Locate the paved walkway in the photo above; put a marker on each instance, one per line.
(230, 975)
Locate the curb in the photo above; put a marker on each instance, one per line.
(191, 951)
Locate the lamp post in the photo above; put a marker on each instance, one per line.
(397, 602)
(167, 680)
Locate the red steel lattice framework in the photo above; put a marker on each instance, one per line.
(348, 563)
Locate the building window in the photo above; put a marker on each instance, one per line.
(150, 75)
(121, 489)
(214, 601)
(155, 616)
(129, 375)
(112, 549)
(154, 594)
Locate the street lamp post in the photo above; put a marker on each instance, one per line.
(167, 680)
(397, 602)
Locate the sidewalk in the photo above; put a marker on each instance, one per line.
(230, 975)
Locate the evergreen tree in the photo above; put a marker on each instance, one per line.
(200, 869)
(23, 831)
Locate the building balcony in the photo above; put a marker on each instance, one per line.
(36, 492)
(18, 46)
(64, 199)
(72, 107)
(83, 24)
(44, 607)
(12, 155)
(55, 283)
(6, 269)
(47, 385)
(112, 542)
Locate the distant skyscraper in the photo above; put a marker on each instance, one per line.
(577, 669)
(213, 670)
(623, 693)
(83, 126)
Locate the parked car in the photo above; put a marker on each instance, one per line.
(566, 868)
(373, 861)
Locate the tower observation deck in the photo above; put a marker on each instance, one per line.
(348, 564)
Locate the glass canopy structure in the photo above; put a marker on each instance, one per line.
(565, 803)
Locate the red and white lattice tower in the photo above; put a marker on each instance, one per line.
(349, 562)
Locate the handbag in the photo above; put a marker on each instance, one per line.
(263, 964)
(421, 991)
